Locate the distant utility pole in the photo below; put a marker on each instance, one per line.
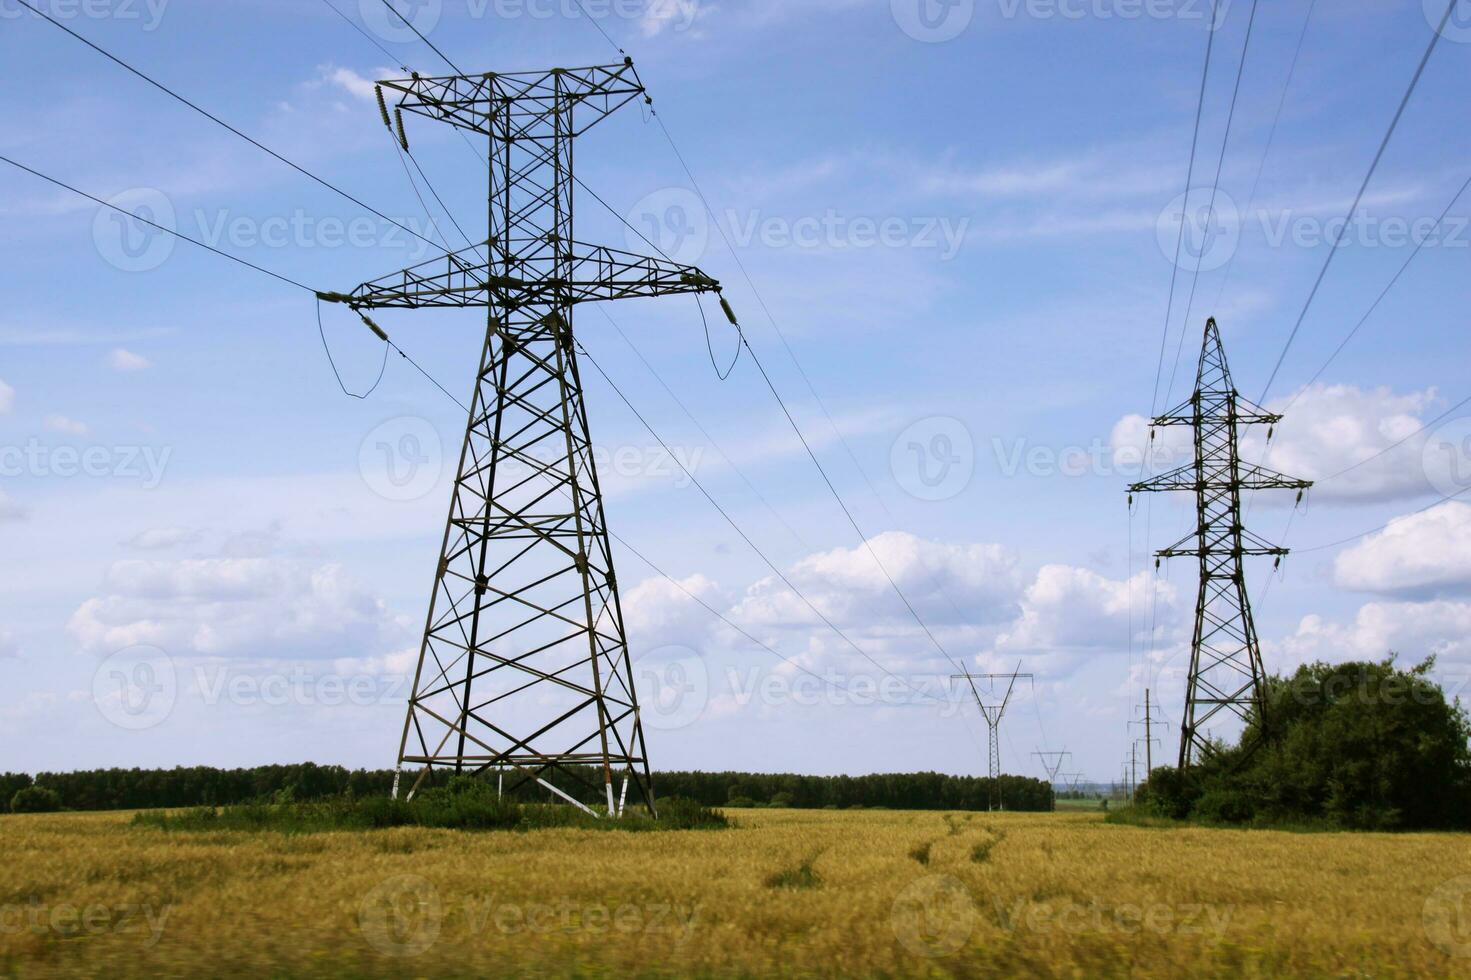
(1052, 762)
(1148, 721)
(993, 714)
(1226, 673)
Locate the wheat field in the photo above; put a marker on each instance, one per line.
(854, 893)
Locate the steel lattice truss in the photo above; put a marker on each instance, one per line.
(1226, 674)
(524, 668)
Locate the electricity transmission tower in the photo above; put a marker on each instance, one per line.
(524, 666)
(993, 714)
(1052, 762)
(1226, 672)
(1148, 721)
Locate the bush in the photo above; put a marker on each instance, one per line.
(35, 799)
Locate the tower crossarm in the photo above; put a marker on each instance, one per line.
(1222, 542)
(1221, 406)
(506, 106)
(464, 278)
(1247, 477)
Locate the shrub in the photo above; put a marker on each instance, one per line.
(35, 799)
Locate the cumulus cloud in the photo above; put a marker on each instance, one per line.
(1068, 608)
(1412, 629)
(126, 362)
(66, 426)
(262, 608)
(947, 583)
(671, 15)
(7, 398)
(1326, 430)
(659, 613)
(160, 538)
(1421, 554)
(354, 84)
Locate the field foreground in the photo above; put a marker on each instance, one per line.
(791, 892)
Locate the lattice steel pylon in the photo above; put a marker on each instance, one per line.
(1226, 673)
(992, 713)
(524, 667)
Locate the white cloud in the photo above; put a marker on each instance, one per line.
(160, 538)
(949, 584)
(126, 361)
(7, 398)
(353, 83)
(657, 612)
(263, 608)
(10, 510)
(1068, 608)
(9, 646)
(1419, 554)
(1412, 629)
(66, 426)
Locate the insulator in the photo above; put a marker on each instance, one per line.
(374, 327)
(1156, 564)
(1152, 434)
(729, 313)
(1299, 496)
(1277, 564)
(382, 106)
(1271, 431)
(334, 297)
(403, 138)
(1131, 501)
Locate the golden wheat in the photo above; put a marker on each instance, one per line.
(786, 892)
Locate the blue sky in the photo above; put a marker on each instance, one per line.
(963, 225)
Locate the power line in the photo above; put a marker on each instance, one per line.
(220, 122)
(370, 38)
(695, 481)
(382, 368)
(1210, 211)
(1353, 209)
(1210, 38)
(1271, 136)
(411, 27)
(1375, 530)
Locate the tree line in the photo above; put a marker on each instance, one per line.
(138, 789)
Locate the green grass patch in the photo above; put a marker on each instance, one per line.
(921, 853)
(464, 805)
(803, 875)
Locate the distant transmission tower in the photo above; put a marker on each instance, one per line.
(524, 668)
(993, 714)
(1226, 673)
(1052, 762)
